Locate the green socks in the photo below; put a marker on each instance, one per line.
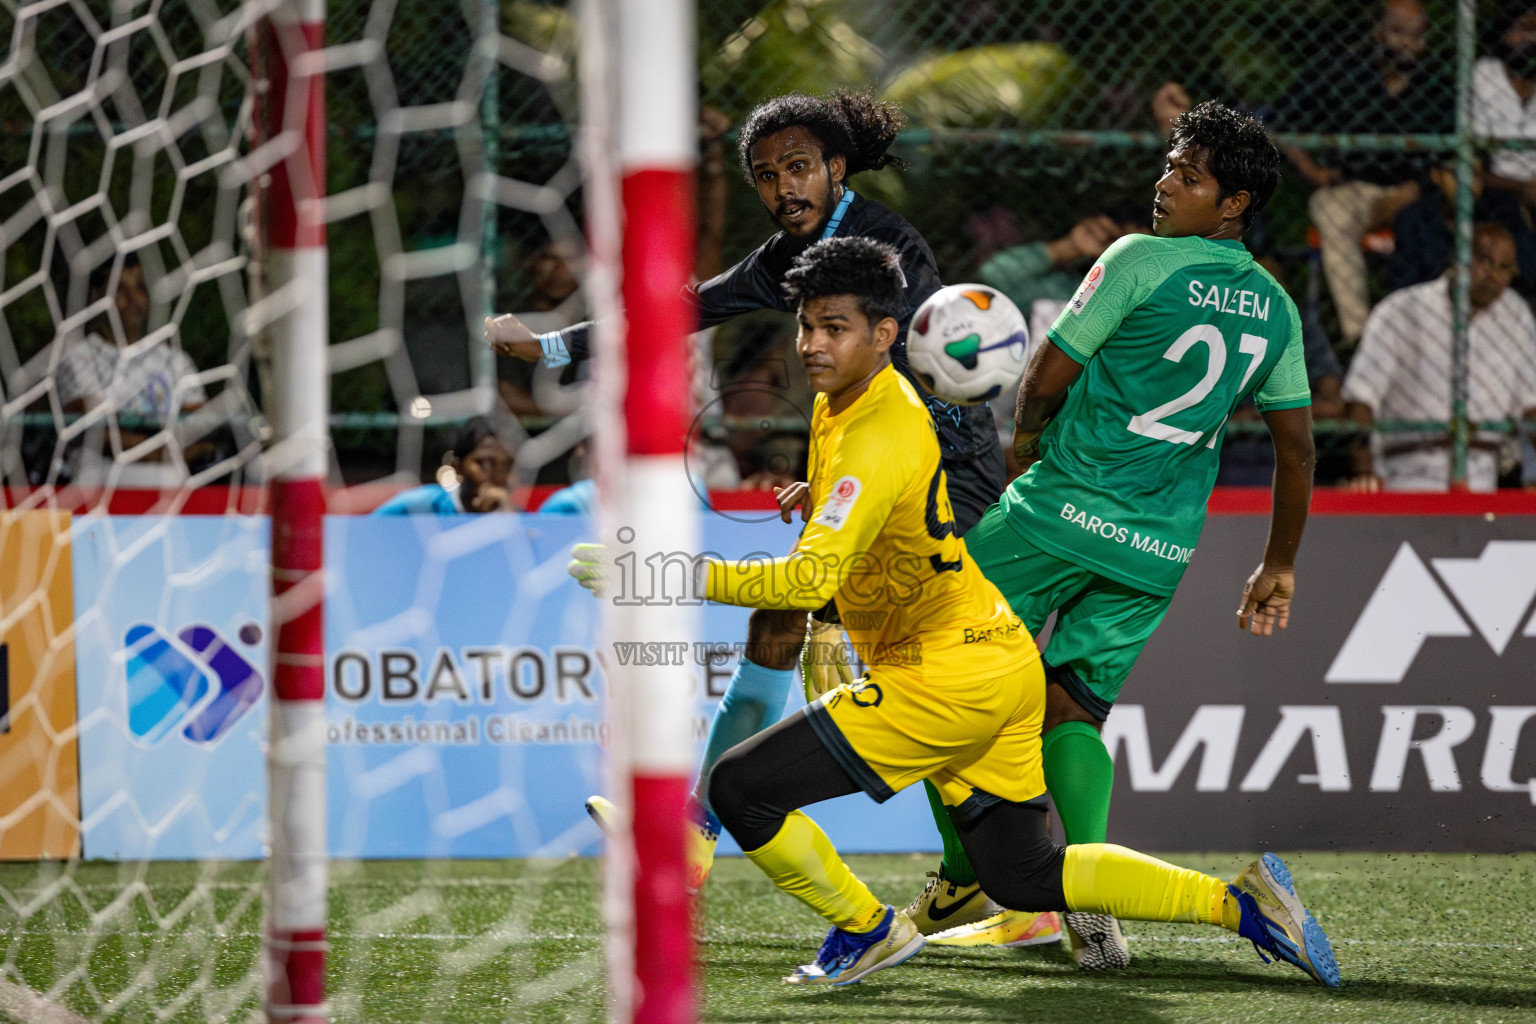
(956, 865)
(1079, 775)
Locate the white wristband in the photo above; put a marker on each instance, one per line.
(553, 345)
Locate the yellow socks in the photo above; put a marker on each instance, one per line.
(1231, 914)
(1102, 878)
(802, 861)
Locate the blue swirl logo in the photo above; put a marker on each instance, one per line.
(196, 681)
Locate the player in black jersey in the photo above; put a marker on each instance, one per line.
(799, 152)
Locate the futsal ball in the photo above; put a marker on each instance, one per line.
(968, 344)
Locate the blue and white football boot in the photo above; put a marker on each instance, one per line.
(845, 958)
(1277, 923)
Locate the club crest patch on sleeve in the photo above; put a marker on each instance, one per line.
(1086, 289)
(839, 504)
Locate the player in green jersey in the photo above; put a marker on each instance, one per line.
(1119, 421)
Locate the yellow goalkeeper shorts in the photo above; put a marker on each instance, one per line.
(973, 739)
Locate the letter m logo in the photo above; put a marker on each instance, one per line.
(1215, 727)
(1410, 605)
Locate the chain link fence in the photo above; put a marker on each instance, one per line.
(1036, 134)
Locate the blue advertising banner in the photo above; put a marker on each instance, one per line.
(171, 658)
(464, 688)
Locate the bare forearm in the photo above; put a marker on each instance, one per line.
(1031, 417)
(1033, 413)
(1364, 462)
(1288, 516)
(711, 217)
(1304, 163)
(1290, 430)
(1062, 251)
(1042, 393)
(1503, 184)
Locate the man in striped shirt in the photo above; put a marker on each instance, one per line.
(1403, 368)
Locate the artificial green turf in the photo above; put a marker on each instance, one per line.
(1419, 938)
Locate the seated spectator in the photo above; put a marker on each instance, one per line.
(1402, 371)
(1053, 270)
(1249, 460)
(1041, 276)
(1504, 102)
(145, 389)
(478, 472)
(1170, 101)
(1425, 230)
(1388, 87)
(579, 499)
(763, 409)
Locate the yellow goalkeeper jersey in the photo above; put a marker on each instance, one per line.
(881, 540)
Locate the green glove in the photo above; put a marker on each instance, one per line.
(589, 566)
(823, 660)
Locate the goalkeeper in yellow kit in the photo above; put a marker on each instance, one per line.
(955, 692)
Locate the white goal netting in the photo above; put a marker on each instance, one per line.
(135, 616)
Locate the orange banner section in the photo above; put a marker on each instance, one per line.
(39, 760)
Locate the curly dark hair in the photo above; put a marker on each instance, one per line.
(868, 270)
(1239, 152)
(852, 125)
(470, 435)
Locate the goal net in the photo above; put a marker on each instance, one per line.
(248, 247)
(134, 649)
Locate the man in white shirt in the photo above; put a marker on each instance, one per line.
(1504, 101)
(1402, 371)
(145, 389)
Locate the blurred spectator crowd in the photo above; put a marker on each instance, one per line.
(1375, 283)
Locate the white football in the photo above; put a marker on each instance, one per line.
(968, 343)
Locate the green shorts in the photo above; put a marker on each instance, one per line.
(1101, 624)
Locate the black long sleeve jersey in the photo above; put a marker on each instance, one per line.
(757, 283)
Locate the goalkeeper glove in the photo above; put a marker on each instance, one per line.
(823, 661)
(589, 566)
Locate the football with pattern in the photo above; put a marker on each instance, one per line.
(968, 344)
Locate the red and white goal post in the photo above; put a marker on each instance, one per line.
(640, 102)
(290, 135)
(642, 106)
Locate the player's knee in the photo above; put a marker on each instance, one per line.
(737, 800)
(1016, 862)
(1060, 709)
(774, 638)
(1034, 885)
(1061, 705)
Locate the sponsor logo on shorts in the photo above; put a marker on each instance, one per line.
(979, 636)
(1121, 535)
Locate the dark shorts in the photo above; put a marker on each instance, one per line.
(974, 481)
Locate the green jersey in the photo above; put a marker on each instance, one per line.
(1172, 333)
